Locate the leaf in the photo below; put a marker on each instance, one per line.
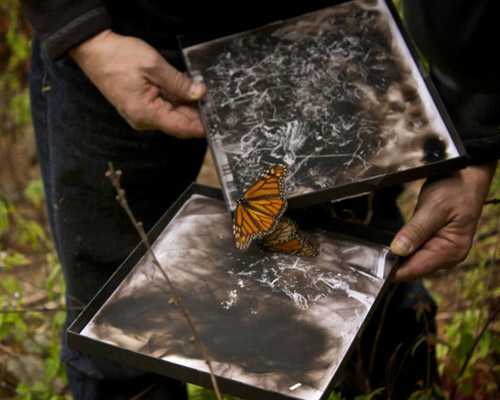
(31, 232)
(419, 313)
(335, 396)
(4, 216)
(51, 368)
(465, 345)
(39, 387)
(54, 272)
(484, 344)
(20, 108)
(21, 326)
(34, 192)
(11, 285)
(58, 320)
(443, 348)
(22, 388)
(370, 395)
(16, 259)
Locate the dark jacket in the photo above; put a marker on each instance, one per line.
(459, 38)
(62, 24)
(461, 41)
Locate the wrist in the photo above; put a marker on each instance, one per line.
(482, 174)
(82, 50)
(487, 170)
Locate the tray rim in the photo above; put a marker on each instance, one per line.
(78, 341)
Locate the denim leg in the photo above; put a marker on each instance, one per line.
(78, 132)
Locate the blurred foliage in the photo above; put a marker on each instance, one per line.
(15, 36)
(469, 345)
(31, 307)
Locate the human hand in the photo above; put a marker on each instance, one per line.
(145, 89)
(439, 234)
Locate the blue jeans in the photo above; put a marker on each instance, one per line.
(77, 133)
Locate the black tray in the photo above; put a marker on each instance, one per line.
(338, 94)
(275, 326)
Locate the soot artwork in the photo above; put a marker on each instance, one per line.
(335, 94)
(277, 322)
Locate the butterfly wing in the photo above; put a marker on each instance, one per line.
(289, 239)
(260, 208)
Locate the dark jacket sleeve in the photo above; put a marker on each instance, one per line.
(459, 40)
(63, 24)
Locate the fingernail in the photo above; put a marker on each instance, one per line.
(196, 90)
(401, 246)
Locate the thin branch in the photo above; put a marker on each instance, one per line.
(6, 350)
(486, 235)
(40, 309)
(492, 201)
(114, 177)
(36, 290)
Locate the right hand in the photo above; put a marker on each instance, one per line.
(440, 232)
(145, 89)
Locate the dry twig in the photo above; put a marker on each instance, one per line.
(114, 177)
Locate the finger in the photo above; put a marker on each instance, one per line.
(424, 262)
(177, 84)
(426, 220)
(182, 122)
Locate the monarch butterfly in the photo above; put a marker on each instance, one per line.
(260, 208)
(288, 238)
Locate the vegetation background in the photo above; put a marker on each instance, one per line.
(32, 288)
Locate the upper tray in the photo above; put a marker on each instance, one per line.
(338, 94)
(275, 326)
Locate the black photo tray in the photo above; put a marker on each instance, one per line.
(274, 325)
(339, 95)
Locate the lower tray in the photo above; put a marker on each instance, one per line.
(275, 326)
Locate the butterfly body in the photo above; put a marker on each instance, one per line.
(260, 208)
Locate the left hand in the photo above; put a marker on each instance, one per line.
(440, 232)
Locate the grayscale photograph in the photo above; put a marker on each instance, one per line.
(334, 94)
(277, 322)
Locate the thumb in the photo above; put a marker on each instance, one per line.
(422, 225)
(178, 84)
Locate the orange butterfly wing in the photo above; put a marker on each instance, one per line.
(289, 239)
(260, 208)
